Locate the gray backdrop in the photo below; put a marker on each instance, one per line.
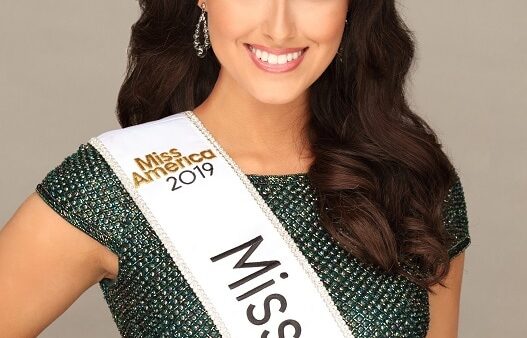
(62, 62)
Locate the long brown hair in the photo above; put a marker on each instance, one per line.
(379, 170)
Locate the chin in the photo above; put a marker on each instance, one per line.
(274, 94)
(275, 98)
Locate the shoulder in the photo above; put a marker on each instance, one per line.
(85, 190)
(81, 189)
(86, 169)
(83, 168)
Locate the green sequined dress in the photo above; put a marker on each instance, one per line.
(150, 297)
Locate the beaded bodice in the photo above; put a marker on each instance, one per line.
(150, 297)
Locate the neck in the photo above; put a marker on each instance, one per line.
(254, 133)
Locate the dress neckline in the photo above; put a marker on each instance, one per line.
(272, 179)
(278, 175)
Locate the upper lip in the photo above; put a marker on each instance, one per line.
(277, 50)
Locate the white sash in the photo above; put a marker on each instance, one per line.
(240, 261)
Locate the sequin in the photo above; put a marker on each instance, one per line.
(150, 297)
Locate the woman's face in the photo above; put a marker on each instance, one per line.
(295, 41)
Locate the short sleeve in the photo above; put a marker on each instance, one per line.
(455, 218)
(80, 190)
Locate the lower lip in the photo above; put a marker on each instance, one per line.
(277, 68)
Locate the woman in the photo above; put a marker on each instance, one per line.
(303, 99)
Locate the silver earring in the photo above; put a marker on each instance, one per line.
(201, 49)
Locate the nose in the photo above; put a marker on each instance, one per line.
(279, 25)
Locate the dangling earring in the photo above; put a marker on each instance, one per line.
(201, 50)
(340, 52)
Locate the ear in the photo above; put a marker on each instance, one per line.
(200, 2)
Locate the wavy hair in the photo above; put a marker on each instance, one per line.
(379, 171)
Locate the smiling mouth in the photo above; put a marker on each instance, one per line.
(276, 56)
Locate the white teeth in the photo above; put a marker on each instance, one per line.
(265, 55)
(274, 59)
(282, 59)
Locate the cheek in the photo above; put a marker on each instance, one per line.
(325, 25)
(227, 22)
